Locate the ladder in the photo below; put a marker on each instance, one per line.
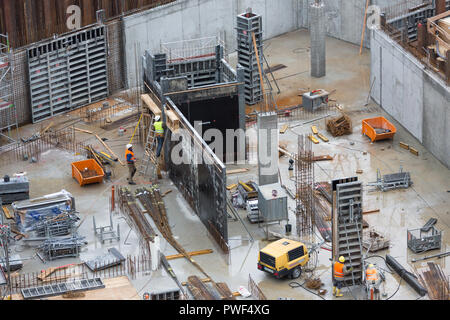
(149, 151)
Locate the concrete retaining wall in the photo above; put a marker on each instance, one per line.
(414, 96)
(193, 19)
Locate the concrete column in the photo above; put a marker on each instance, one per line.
(317, 31)
(240, 72)
(155, 253)
(267, 148)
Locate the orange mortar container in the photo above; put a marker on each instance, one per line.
(91, 164)
(369, 126)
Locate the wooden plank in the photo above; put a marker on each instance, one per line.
(314, 129)
(191, 254)
(109, 149)
(233, 171)
(321, 136)
(172, 121)
(404, 145)
(166, 193)
(6, 212)
(414, 151)
(284, 128)
(322, 158)
(259, 69)
(232, 186)
(46, 273)
(196, 283)
(364, 27)
(205, 280)
(151, 105)
(371, 211)
(225, 290)
(313, 139)
(85, 131)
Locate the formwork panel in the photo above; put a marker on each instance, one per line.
(68, 72)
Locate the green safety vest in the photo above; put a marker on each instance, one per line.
(159, 127)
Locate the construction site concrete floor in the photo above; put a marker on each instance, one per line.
(348, 73)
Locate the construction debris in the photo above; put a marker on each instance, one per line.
(340, 126)
(436, 282)
(374, 241)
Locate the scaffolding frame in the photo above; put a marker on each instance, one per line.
(191, 49)
(8, 113)
(304, 183)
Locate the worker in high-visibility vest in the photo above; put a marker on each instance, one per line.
(372, 274)
(339, 271)
(129, 155)
(373, 281)
(159, 131)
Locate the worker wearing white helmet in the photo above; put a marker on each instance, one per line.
(129, 155)
(159, 131)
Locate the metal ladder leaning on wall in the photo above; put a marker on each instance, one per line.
(149, 156)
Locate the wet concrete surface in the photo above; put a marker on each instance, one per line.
(348, 73)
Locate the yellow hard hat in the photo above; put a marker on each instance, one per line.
(371, 265)
(341, 259)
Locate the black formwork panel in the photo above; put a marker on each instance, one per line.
(219, 113)
(202, 183)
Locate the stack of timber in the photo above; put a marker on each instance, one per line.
(340, 126)
(435, 281)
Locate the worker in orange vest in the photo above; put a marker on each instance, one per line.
(129, 155)
(339, 271)
(372, 274)
(373, 282)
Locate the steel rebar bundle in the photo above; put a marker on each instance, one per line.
(304, 182)
(153, 203)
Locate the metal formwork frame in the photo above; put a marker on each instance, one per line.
(248, 23)
(8, 113)
(68, 72)
(347, 227)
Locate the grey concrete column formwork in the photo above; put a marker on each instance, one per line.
(267, 148)
(318, 31)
